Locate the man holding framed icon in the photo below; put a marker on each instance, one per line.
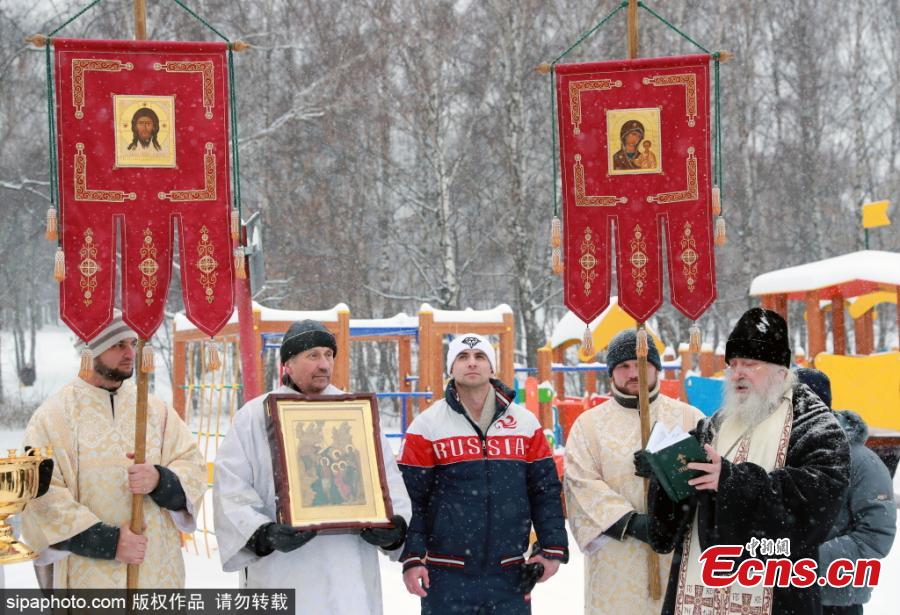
(314, 518)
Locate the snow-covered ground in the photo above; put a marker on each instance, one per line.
(562, 594)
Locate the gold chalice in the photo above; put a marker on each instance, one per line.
(19, 480)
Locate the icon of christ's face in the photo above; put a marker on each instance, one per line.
(144, 127)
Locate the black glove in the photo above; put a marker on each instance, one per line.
(278, 537)
(168, 492)
(639, 527)
(45, 474)
(388, 538)
(531, 573)
(100, 541)
(641, 465)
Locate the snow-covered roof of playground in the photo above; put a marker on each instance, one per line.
(571, 327)
(468, 314)
(854, 274)
(399, 324)
(272, 314)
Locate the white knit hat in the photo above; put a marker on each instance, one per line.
(470, 341)
(114, 333)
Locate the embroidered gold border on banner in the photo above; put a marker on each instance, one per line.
(588, 260)
(206, 70)
(206, 264)
(82, 65)
(689, 256)
(149, 267)
(583, 200)
(575, 90)
(83, 193)
(88, 267)
(690, 193)
(689, 81)
(638, 259)
(208, 192)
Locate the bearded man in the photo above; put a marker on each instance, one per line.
(82, 523)
(605, 500)
(778, 469)
(144, 129)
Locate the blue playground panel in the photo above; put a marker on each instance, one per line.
(704, 393)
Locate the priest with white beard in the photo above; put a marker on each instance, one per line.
(778, 468)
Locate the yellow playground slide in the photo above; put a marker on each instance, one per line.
(869, 385)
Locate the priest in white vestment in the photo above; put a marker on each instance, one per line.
(335, 574)
(604, 498)
(81, 525)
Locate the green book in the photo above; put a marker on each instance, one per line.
(668, 452)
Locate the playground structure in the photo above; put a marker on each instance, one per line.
(865, 381)
(191, 368)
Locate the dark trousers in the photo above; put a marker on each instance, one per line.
(452, 592)
(853, 609)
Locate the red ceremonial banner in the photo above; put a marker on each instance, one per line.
(635, 155)
(143, 145)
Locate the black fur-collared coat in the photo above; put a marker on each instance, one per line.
(799, 501)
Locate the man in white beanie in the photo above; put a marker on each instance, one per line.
(81, 525)
(479, 473)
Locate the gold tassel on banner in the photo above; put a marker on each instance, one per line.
(147, 364)
(721, 238)
(695, 338)
(240, 271)
(642, 345)
(557, 261)
(52, 232)
(59, 265)
(556, 232)
(87, 364)
(235, 225)
(213, 362)
(587, 342)
(716, 201)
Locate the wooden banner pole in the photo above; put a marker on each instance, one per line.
(643, 393)
(644, 405)
(140, 453)
(140, 20)
(632, 29)
(140, 416)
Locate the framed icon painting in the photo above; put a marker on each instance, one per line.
(328, 462)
